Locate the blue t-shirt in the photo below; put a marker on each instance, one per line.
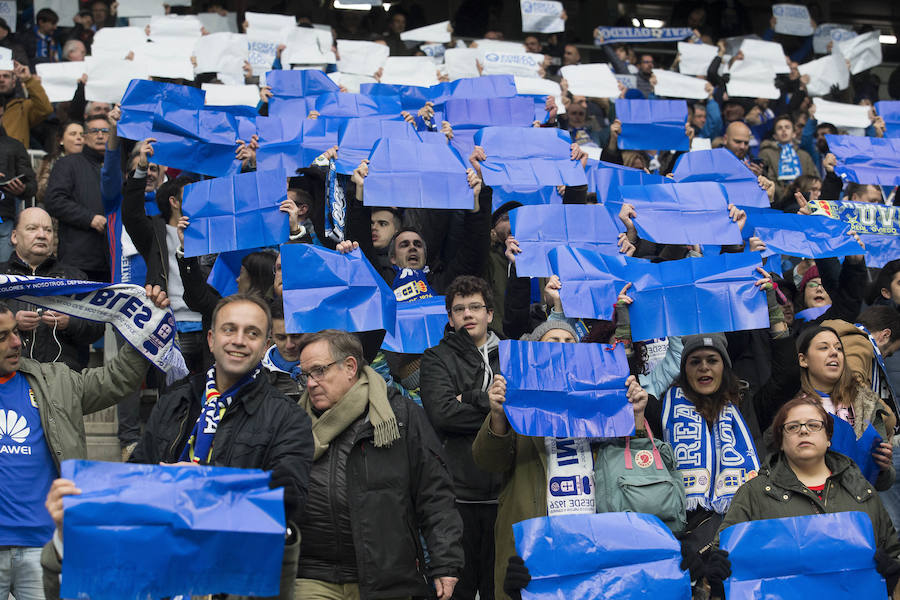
(26, 467)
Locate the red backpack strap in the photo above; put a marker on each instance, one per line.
(628, 464)
(657, 457)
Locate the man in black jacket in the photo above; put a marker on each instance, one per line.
(15, 167)
(231, 416)
(455, 378)
(378, 480)
(47, 336)
(73, 197)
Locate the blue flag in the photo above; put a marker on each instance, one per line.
(324, 289)
(357, 137)
(300, 83)
(528, 156)
(880, 249)
(486, 86)
(858, 450)
(141, 101)
(722, 166)
(151, 531)
(633, 35)
(524, 196)
(407, 173)
(652, 124)
(681, 213)
(865, 159)
(889, 110)
(605, 178)
(626, 556)
(566, 390)
(815, 556)
(224, 273)
(294, 144)
(290, 108)
(235, 213)
(680, 297)
(342, 104)
(412, 97)
(420, 325)
(483, 112)
(801, 235)
(199, 140)
(541, 228)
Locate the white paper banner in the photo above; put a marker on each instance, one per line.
(486, 46)
(108, 78)
(534, 86)
(117, 42)
(462, 62)
(6, 60)
(695, 58)
(699, 143)
(863, 51)
(221, 52)
(749, 79)
(8, 13)
(216, 23)
(60, 79)
(842, 115)
(166, 60)
(65, 9)
(825, 72)
(770, 53)
(542, 16)
(361, 58)
(261, 55)
(526, 64)
(140, 8)
(350, 81)
(269, 27)
(676, 85)
(438, 32)
(822, 36)
(175, 29)
(308, 46)
(231, 95)
(792, 19)
(628, 80)
(593, 81)
(410, 70)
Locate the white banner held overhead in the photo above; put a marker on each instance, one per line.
(437, 32)
(533, 86)
(361, 58)
(526, 64)
(308, 46)
(842, 115)
(863, 51)
(220, 52)
(230, 95)
(792, 19)
(117, 42)
(213, 22)
(770, 53)
(462, 62)
(676, 85)
(270, 27)
(140, 8)
(542, 16)
(60, 80)
(593, 81)
(410, 70)
(6, 59)
(825, 72)
(172, 61)
(749, 79)
(65, 9)
(8, 13)
(109, 78)
(695, 58)
(822, 36)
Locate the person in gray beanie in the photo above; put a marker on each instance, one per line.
(552, 330)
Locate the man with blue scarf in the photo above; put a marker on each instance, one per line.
(282, 359)
(232, 416)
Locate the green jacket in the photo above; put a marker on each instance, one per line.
(770, 154)
(64, 396)
(776, 492)
(523, 461)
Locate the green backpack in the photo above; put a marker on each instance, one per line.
(639, 475)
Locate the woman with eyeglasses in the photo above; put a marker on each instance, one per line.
(824, 379)
(805, 477)
(830, 290)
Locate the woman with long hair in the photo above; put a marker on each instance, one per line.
(69, 140)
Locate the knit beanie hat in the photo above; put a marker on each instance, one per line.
(543, 328)
(716, 341)
(811, 273)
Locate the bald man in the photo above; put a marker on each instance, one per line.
(47, 336)
(737, 139)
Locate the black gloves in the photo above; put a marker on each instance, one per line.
(888, 568)
(717, 569)
(517, 577)
(691, 561)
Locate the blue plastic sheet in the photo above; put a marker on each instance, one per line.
(224, 273)
(198, 140)
(297, 84)
(605, 178)
(681, 213)
(357, 137)
(817, 556)
(235, 213)
(652, 124)
(566, 390)
(528, 156)
(880, 249)
(151, 531)
(464, 142)
(420, 325)
(626, 556)
(486, 86)
(524, 196)
(412, 97)
(801, 235)
(290, 108)
(859, 450)
(324, 289)
(406, 173)
(291, 144)
(342, 104)
(539, 229)
(141, 100)
(722, 166)
(483, 112)
(889, 110)
(694, 295)
(865, 159)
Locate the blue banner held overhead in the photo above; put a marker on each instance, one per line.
(865, 159)
(634, 35)
(627, 556)
(801, 235)
(343, 104)
(357, 137)
(889, 110)
(300, 83)
(141, 101)
(412, 97)
(145, 523)
(411, 174)
(652, 124)
(524, 196)
(880, 249)
(235, 213)
(483, 112)
(200, 140)
(225, 271)
(566, 390)
(844, 440)
(324, 289)
(722, 166)
(420, 325)
(604, 179)
(541, 228)
(486, 86)
(528, 157)
(796, 557)
(290, 108)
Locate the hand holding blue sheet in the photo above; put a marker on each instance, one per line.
(528, 156)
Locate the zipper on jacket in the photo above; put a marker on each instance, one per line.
(180, 432)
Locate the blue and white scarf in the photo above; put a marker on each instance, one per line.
(788, 163)
(881, 383)
(411, 284)
(273, 361)
(335, 203)
(199, 447)
(713, 464)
